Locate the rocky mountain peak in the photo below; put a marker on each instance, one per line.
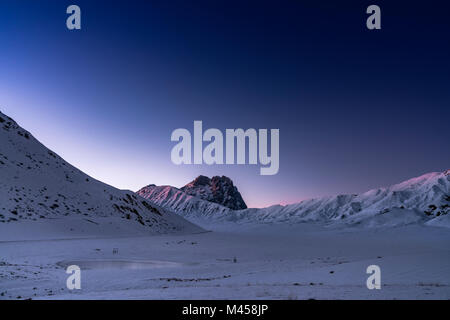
(218, 189)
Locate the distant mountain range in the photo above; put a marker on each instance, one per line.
(424, 199)
(38, 185)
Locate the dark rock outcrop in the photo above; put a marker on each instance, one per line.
(219, 190)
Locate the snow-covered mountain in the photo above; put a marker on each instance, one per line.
(424, 199)
(38, 185)
(188, 206)
(219, 190)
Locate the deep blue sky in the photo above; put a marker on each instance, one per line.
(356, 109)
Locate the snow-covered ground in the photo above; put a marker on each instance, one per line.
(303, 261)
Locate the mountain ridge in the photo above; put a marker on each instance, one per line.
(422, 198)
(38, 185)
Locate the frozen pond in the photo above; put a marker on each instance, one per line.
(118, 264)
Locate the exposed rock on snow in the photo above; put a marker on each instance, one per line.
(36, 184)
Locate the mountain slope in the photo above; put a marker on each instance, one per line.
(180, 202)
(38, 185)
(424, 199)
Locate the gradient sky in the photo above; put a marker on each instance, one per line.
(356, 109)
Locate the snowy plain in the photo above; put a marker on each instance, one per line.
(303, 261)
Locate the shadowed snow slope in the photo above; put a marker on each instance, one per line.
(38, 185)
(183, 203)
(424, 199)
